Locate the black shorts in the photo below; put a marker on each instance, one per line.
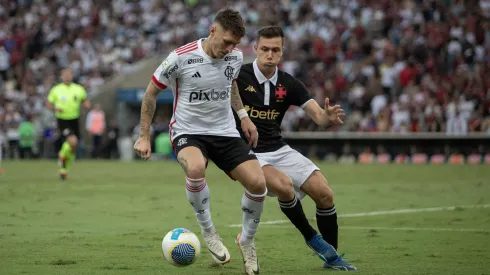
(72, 124)
(226, 152)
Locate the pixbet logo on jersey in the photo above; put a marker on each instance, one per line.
(209, 96)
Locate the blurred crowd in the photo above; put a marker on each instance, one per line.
(396, 66)
(400, 66)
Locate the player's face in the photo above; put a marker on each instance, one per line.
(222, 42)
(66, 75)
(269, 51)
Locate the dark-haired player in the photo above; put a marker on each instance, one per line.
(267, 93)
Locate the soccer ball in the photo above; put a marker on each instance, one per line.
(181, 247)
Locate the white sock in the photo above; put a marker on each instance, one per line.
(252, 207)
(197, 192)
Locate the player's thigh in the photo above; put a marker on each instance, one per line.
(191, 154)
(278, 183)
(316, 186)
(63, 125)
(298, 167)
(250, 175)
(235, 157)
(75, 127)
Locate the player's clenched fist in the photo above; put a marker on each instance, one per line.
(143, 148)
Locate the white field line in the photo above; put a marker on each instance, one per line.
(435, 229)
(387, 212)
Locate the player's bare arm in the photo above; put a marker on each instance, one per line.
(324, 117)
(148, 105)
(236, 100)
(248, 127)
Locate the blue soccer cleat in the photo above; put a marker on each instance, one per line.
(327, 253)
(339, 264)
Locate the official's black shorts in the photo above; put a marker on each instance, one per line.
(72, 124)
(226, 152)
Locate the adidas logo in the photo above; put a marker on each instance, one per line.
(197, 74)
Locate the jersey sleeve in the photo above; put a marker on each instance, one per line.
(166, 74)
(82, 93)
(300, 94)
(52, 97)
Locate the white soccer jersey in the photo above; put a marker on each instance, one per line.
(201, 87)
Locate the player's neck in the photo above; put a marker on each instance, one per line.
(206, 48)
(67, 83)
(268, 72)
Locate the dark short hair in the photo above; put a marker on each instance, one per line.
(231, 20)
(270, 32)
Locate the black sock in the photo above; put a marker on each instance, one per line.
(327, 224)
(294, 211)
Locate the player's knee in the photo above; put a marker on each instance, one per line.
(256, 184)
(324, 197)
(195, 170)
(282, 187)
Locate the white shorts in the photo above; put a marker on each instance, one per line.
(292, 163)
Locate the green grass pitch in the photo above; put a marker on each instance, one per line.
(110, 218)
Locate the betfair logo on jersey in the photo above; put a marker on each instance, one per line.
(269, 114)
(209, 96)
(168, 73)
(251, 89)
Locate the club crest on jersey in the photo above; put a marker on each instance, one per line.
(251, 89)
(229, 72)
(281, 93)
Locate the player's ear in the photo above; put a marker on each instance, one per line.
(256, 47)
(212, 30)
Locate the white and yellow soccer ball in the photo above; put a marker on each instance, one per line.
(181, 247)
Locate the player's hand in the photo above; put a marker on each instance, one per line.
(250, 131)
(143, 147)
(334, 112)
(58, 110)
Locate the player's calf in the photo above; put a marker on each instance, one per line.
(316, 186)
(251, 176)
(281, 185)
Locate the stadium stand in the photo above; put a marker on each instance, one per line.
(395, 66)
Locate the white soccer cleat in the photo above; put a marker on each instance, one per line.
(216, 247)
(250, 261)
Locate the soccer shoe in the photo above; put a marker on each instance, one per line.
(327, 253)
(339, 264)
(218, 250)
(249, 255)
(63, 174)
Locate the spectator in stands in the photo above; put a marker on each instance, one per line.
(27, 138)
(361, 54)
(95, 124)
